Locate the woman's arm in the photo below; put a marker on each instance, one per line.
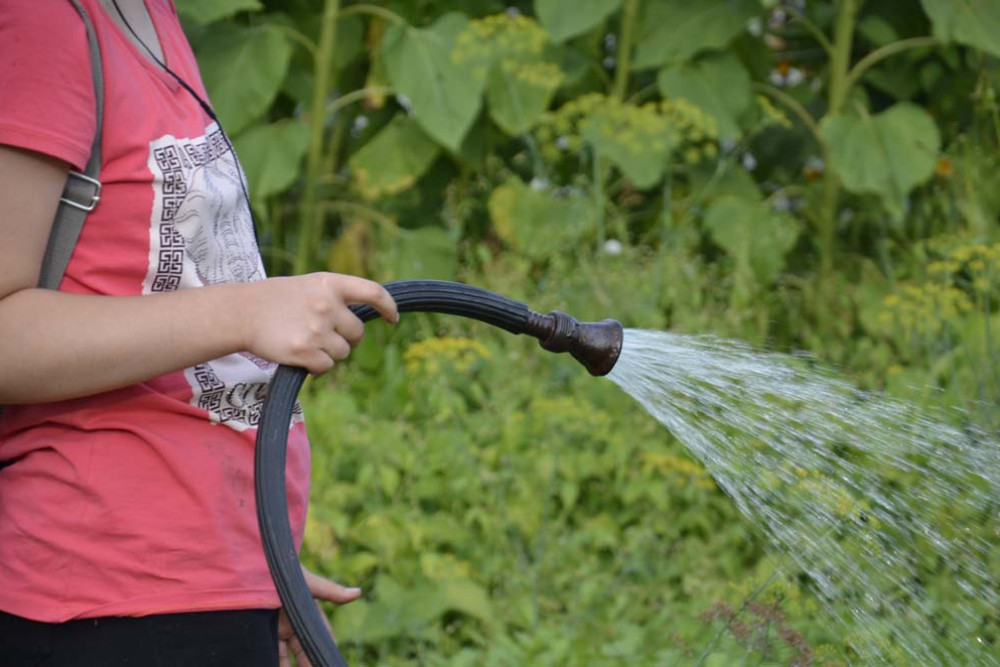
(55, 345)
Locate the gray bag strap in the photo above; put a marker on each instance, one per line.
(83, 190)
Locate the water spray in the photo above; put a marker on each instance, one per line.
(596, 345)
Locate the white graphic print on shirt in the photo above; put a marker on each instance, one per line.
(201, 233)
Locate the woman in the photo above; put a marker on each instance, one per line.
(127, 523)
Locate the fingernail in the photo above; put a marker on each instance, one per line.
(354, 591)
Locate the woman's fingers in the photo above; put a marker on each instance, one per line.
(318, 362)
(324, 589)
(285, 633)
(360, 290)
(336, 347)
(351, 328)
(321, 589)
(306, 321)
(301, 659)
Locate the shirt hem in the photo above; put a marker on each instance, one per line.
(46, 144)
(150, 605)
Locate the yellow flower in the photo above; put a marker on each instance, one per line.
(431, 354)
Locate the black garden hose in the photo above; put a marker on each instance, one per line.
(596, 345)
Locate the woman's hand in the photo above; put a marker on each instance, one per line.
(305, 321)
(321, 589)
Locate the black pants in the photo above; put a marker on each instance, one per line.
(217, 638)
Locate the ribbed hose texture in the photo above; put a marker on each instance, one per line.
(437, 296)
(272, 442)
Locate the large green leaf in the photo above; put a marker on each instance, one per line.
(428, 253)
(203, 12)
(243, 69)
(446, 96)
(887, 154)
(393, 159)
(509, 53)
(718, 84)
(519, 93)
(350, 41)
(536, 222)
(672, 30)
(410, 612)
(468, 597)
(877, 30)
(270, 155)
(637, 140)
(568, 18)
(975, 23)
(756, 237)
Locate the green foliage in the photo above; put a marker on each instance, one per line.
(261, 55)
(510, 512)
(428, 252)
(203, 13)
(272, 154)
(972, 22)
(568, 18)
(394, 159)
(509, 54)
(675, 30)
(539, 224)
(718, 84)
(887, 154)
(443, 92)
(754, 236)
(637, 140)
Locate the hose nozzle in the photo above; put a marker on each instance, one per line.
(596, 345)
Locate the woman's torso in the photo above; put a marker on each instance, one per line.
(138, 500)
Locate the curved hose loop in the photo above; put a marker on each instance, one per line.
(595, 345)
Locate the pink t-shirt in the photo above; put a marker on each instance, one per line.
(140, 500)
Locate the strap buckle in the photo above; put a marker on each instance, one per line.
(90, 200)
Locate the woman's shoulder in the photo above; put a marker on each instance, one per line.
(45, 79)
(48, 20)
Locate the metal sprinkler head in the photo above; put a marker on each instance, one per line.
(596, 345)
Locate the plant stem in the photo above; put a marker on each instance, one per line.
(598, 194)
(332, 152)
(538, 169)
(813, 29)
(373, 10)
(309, 228)
(296, 36)
(792, 105)
(355, 96)
(888, 50)
(624, 60)
(641, 94)
(840, 63)
(376, 216)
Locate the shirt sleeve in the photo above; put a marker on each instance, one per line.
(47, 100)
